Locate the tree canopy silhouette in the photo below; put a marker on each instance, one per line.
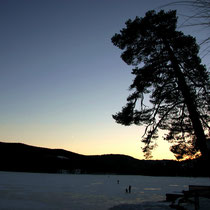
(169, 74)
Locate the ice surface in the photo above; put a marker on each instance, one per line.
(88, 192)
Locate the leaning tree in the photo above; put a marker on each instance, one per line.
(170, 90)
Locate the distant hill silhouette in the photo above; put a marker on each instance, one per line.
(22, 157)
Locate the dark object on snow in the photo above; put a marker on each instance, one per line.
(194, 192)
(129, 189)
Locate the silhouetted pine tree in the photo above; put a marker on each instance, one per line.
(168, 70)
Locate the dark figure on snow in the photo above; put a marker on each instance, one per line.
(129, 189)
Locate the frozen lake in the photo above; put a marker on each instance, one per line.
(87, 192)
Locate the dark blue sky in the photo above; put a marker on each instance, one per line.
(61, 77)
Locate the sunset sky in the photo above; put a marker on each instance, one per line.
(61, 78)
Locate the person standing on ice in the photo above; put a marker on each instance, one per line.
(129, 189)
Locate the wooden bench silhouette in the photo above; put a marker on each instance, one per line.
(195, 191)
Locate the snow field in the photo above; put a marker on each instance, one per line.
(88, 192)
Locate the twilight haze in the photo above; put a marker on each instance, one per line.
(62, 78)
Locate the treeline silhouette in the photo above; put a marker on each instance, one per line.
(24, 158)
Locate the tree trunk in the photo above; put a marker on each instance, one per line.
(191, 106)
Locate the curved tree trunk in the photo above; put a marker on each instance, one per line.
(191, 106)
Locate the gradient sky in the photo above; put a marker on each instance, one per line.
(61, 78)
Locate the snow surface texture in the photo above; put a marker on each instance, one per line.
(88, 192)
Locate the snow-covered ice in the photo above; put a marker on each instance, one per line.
(88, 192)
